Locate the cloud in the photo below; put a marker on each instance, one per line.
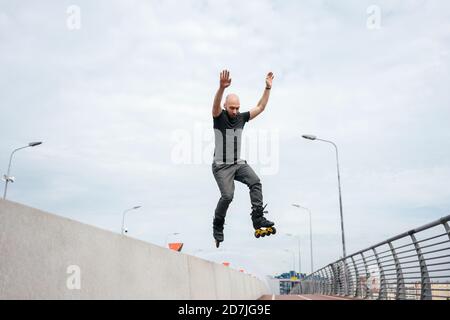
(107, 99)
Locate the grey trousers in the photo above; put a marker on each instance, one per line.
(225, 174)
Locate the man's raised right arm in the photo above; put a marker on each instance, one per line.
(225, 82)
(217, 109)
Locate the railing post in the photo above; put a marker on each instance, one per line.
(345, 278)
(315, 284)
(303, 287)
(348, 279)
(366, 268)
(358, 281)
(400, 292)
(326, 282)
(339, 278)
(318, 283)
(382, 294)
(447, 228)
(322, 281)
(341, 272)
(330, 280)
(334, 278)
(310, 286)
(425, 292)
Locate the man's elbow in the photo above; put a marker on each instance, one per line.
(261, 107)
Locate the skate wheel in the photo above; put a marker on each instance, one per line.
(274, 231)
(257, 235)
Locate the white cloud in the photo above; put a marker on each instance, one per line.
(106, 100)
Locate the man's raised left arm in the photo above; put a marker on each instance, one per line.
(256, 111)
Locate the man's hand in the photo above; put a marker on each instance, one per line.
(225, 80)
(269, 80)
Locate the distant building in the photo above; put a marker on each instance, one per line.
(288, 280)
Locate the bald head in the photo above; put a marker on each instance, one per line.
(232, 99)
(232, 104)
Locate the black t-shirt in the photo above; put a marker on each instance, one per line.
(228, 136)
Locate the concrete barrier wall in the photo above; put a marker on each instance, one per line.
(43, 256)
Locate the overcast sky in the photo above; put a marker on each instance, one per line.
(121, 94)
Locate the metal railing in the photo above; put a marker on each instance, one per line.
(414, 265)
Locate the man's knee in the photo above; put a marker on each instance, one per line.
(227, 197)
(252, 179)
(255, 185)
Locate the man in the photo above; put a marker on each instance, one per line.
(227, 165)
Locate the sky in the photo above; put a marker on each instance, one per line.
(121, 92)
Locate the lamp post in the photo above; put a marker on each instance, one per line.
(123, 218)
(313, 138)
(7, 176)
(293, 258)
(310, 234)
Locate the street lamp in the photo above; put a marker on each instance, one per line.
(310, 233)
(293, 258)
(123, 218)
(313, 138)
(299, 253)
(7, 178)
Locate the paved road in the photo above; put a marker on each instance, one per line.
(303, 297)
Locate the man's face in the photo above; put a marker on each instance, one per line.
(232, 105)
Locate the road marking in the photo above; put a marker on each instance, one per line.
(304, 298)
(273, 297)
(333, 297)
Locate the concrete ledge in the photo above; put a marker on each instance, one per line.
(43, 256)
